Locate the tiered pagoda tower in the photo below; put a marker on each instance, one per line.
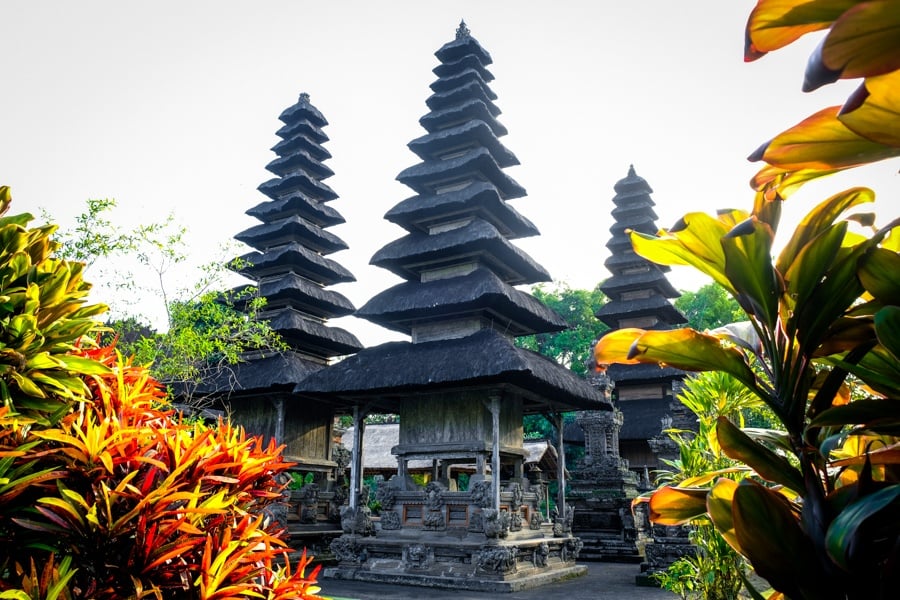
(461, 386)
(640, 296)
(291, 270)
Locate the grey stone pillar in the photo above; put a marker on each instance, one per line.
(561, 467)
(495, 457)
(356, 466)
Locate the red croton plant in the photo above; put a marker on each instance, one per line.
(105, 493)
(820, 517)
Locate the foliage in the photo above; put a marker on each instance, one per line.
(861, 41)
(821, 515)
(208, 332)
(714, 573)
(709, 307)
(103, 492)
(570, 348)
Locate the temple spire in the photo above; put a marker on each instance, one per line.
(462, 31)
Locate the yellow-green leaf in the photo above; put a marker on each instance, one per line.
(738, 445)
(864, 41)
(878, 272)
(774, 24)
(676, 505)
(873, 111)
(718, 505)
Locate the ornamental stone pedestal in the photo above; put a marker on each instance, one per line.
(602, 487)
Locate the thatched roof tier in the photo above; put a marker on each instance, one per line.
(628, 258)
(296, 160)
(652, 279)
(302, 140)
(479, 199)
(640, 204)
(414, 253)
(299, 331)
(291, 229)
(476, 164)
(473, 88)
(631, 185)
(434, 146)
(289, 289)
(480, 293)
(642, 373)
(387, 373)
(303, 111)
(294, 257)
(470, 109)
(449, 71)
(276, 372)
(464, 45)
(297, 204)
(297, 182)
(614, 310)
(461, 77)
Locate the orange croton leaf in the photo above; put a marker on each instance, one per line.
(864, 41)
(675, 505)
(774, 24)
(822, 142)
(873, 110)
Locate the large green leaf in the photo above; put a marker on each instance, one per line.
(878, 273)
(748, 266)
(811, 264)
(878, 369)
(865, 532)
(867, 413)
(769, 533)
(887, 328)
(719, 507)
(739, 446)
(774, 24)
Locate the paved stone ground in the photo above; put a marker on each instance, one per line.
(603, 581)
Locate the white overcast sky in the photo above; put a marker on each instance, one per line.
(172, 106)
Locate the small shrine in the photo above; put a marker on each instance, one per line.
(290, 268)
(460, 385)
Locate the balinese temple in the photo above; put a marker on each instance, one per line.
(640, 296)
(290, 268)
(460, 385)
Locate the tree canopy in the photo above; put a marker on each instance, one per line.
(709, 307)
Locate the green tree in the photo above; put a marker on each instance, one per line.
(208, 331)
(572, 347)
(819, 517)
(709, 307)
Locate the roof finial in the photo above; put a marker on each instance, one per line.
(631, 172)
(304, 97)
(462, 31)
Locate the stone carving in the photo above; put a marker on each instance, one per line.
(495, 523)
(347, 550)
(386, 496)
(515, 521)
(541, 553)
(275, 514)
(337, 501)
(570, 549)
(356, 520)
(418, 556)
(563, 525)
(535, 521)
(390, 520)
(309, 503)
(476, 523)
(481, 494)
(434, 495)
(500, 559)
(434, 521)
(518, 495)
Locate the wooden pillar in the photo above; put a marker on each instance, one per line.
(356, 465)
(561, 466)
(495, 457)
(279, 420)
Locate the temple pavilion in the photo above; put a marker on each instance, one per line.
(460, 385)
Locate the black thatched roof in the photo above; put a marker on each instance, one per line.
(296, 258)
(477, 163)
(474, 88)
(479, 199)
(432, 146)
(614, 310)
(299, 159)
(291, 229)
(297, 182)
(479, 293)
(653, 279)
(464, 45)
(416, 252)
(448, 71)
(642, 373)
(302, 294)
(458, 77)
(301, 139)
(313, 337)
(303, 110)
(297, 204)
(280, 371)
(486, 359)
(470, 109)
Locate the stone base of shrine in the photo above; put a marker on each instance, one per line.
(463, 564)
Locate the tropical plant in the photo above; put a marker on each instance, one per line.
(820, 518)
(104, 492)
